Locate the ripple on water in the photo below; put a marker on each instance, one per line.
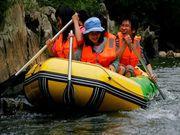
(161, 118)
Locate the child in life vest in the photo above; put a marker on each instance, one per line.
(60, 47)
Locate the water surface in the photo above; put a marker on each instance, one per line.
(161, 118)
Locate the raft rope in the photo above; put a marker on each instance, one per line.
(110, 78)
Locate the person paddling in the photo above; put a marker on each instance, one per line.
(128, 43)
(60, 47)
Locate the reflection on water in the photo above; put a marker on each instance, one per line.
(162, 117)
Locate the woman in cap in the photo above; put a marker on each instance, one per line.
(99, 48)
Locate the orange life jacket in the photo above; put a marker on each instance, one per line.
(128, 57)
(106, 57)
(61, 49)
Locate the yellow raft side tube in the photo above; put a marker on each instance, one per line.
(82, 94)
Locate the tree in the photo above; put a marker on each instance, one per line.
(161, 15)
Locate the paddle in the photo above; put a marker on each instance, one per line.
(145, 67)
(70, 58)
(12, 79)
(68, 92)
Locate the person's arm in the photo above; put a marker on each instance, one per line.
(151, 73)
(114, 65)
(148, 65)
(78, 33)
(120, 50)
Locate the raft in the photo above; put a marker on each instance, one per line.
(93, 87)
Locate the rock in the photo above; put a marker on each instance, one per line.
(40, 22)
(45, 26)
(177, 55)
(162, 54)
(149, 41)
(10, 106)
(104, 12)
(103, 8)
(111, 25)
(18, 44)
(49, 11)
(170, 54)
(13, 42)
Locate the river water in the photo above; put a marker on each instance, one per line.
(161, 118)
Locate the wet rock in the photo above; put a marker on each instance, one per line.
(162, 54)
(177, 55)
(170, 54)
(9, 106)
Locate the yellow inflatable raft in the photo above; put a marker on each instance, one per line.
(92, 87)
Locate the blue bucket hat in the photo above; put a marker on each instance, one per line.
(92, 24)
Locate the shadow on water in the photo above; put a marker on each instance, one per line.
(162, 117)
(23, 122)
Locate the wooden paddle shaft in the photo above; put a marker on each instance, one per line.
(146, 69)
(42, 49)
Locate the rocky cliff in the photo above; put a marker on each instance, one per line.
(18, 43)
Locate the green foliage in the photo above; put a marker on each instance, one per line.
(145, 9)
(4, 4)
(30, 5)
(161, 15)
(53, 3)
(92, 7)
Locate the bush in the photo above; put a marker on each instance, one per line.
(92, 7)
(4, 5)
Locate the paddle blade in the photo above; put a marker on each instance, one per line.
(12, 81)
(160, 92)
(69, 94)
